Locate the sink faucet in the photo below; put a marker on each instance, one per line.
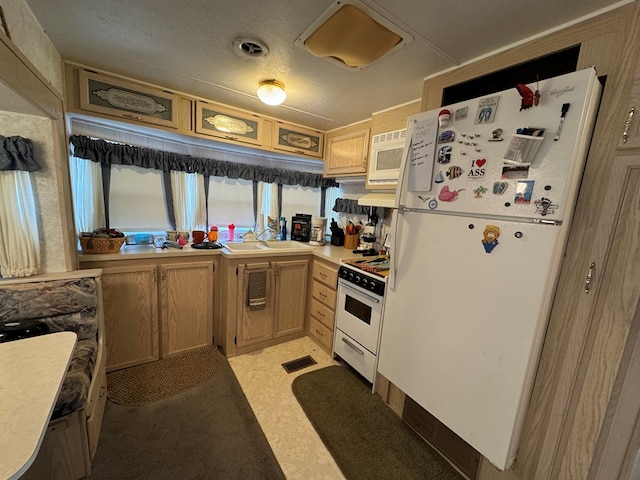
(268, 230)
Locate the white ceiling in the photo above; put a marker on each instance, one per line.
(187, 46)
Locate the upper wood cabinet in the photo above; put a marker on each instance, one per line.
(228, 123)
(296, 139)
(347, 151)
(112, 96)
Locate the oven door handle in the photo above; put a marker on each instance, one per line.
(370, 297)
(350, 344)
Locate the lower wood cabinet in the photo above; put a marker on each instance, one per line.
(277, 316)
(322, 310)
(154, 310)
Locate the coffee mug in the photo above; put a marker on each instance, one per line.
(185, 235)
(198, 236)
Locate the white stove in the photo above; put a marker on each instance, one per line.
(361, 290)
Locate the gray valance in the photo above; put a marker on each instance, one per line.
(16, 153)
(118, 154)
(345, 205)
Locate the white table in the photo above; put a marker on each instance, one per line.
(31, 375)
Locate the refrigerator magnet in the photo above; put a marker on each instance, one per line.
(478, 168)
(444, 154)
(447, 136)
(490, 237)
(500, 187)
(439, 177)
(461, 113)
(524, 190)
(454, 172)
(479, 191)
(487, 108)
(447, 195)
(545, 206)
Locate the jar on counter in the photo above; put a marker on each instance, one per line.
(212, 236)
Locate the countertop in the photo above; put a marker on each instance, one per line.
(32, 373)
(329, 253)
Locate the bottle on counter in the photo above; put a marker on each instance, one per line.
(232, 231)
(212, 236)
(283, 228)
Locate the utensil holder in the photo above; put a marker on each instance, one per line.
(351, 242)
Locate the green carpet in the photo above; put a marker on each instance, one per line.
(366, 439)
(206, 432)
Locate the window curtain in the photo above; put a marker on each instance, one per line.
(109, 153)
(88, 196)
(331, 196)
(189, 203)
(19, 239)
(267, 207)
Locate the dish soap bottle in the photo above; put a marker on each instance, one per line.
(283, 228)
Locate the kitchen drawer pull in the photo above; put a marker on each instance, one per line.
(349, 344)
(322, 294)
(320, 314)
(319, 333)
(322, 274)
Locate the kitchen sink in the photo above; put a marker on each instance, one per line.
(245, 246)
(287, 245)
(264, 247)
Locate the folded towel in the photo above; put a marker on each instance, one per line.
(257, 290)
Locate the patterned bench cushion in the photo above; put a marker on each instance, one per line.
(64, 305)
(75, 389)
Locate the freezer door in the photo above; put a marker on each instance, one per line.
(472, 171)
(463, 328)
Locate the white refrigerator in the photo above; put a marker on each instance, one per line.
(483, 209)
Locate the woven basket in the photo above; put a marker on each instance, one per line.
(101, 245)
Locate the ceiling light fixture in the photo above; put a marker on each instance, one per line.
(271, 92)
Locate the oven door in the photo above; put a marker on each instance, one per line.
(359, 314)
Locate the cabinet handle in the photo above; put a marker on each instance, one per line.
(322, 274)
(135, 117)
(320, 314)
(155, 276)
(322, 294)
(627, 124)
(589, 279)
(319, 333)
(163, 274)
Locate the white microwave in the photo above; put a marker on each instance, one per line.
(385, 157)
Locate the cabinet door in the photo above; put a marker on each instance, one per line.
(300, 140)
(112, 96)
(228, 123)
(186, 306)
(291, 294)
(254, 324)
(630, 134)
(130, 298)
(347, 154)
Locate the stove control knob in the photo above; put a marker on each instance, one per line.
(372, 286)
(350, 276)
(356, 280)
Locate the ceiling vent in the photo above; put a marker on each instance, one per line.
(353, 35)
(250, 47)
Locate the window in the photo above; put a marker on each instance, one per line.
(230, 201)
(136, 199)
(297, 199)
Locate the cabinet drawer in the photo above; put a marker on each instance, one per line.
(322, 313)
(355, 355)
(325, 274)
(321, 333)
(324, 294)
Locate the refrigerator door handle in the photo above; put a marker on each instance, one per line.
(393, 255)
